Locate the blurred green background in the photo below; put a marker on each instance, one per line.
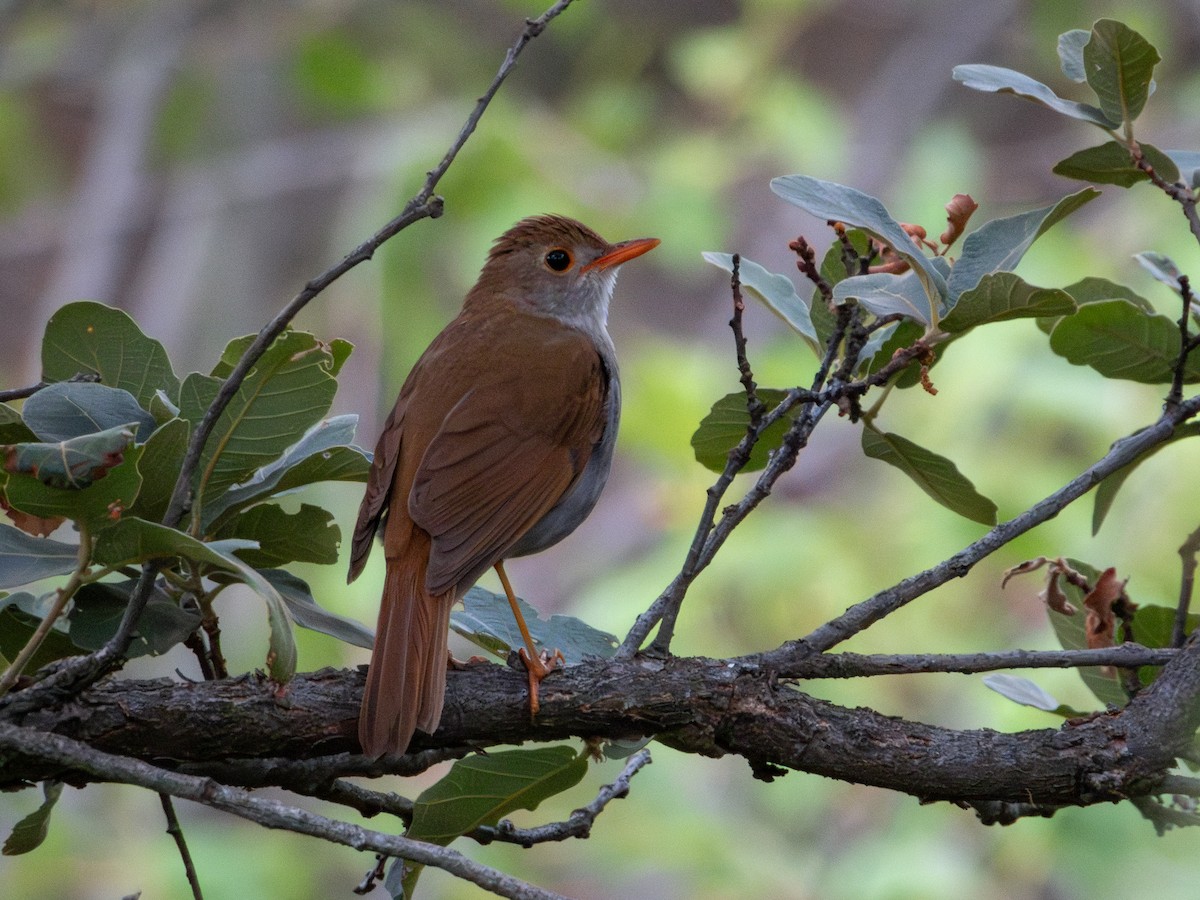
(196, 162)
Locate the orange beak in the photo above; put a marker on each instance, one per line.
(622, 252)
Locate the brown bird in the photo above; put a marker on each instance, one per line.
(498, 446)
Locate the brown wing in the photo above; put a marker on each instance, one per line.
(509, 449)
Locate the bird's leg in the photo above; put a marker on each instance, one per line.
(537, 665)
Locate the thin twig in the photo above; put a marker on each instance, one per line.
(1185, 342)
(754, 406)
(866, 613)
(176, 832)
(858, 665)
(579, 825)
(22, 393)
(269, 813)
(1187, 581)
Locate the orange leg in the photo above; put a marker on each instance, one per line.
(538, 665)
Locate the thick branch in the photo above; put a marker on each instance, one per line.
(709, 707)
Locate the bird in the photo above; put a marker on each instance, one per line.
(498, 446)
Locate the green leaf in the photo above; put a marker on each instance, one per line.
(307, 614)
(997, 79)
(1161, 267)
(73, 463)
(308, 535)
(1111, 163)
(1001, 296)
(322, 454)
(131, 541)
(162, 458)
(903, 335)
(92, 337)
(1119, 340)
(999, 244)
(98, 608)
(30, 832)
(1070, 53)
(935, 475)
(289, 390)
(59, 412)
(486, 620)
(1027, 693)
(725, 426)
(776, 291)
(836, 202)
(25, 558)
(885, 294)
(1119, 65)
(1106, 491)
(97, 503)
(481, 789)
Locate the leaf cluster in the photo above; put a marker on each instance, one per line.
(100, 447)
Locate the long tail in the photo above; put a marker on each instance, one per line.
(406, 683)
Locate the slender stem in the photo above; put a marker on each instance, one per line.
(65, 593)
(176, 832)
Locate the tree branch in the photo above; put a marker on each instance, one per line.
(269, 813)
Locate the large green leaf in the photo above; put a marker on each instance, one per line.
(998, 245)
(487, 621)
(481, 789)
(306, 613)
(98, 608)
(935, 475)
(836, 202)
(324, 453)
(131, 541)
(1119, 340)
(92, 337)
(1001, 296)
(1106, 491)
(59, 412)
(997, 79)
(776, 291)
(1110, 163)
(1119, 65)
(24, 558)
(725, 426)
(308, 535)
(288, 391)
(101, 500)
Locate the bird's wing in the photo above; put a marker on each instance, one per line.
(509, 449)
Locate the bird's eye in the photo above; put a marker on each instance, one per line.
(558, 259)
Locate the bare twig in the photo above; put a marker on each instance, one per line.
(22, 393)
(1187, 581)
(869, 611)
(1186, 342)
(176, 832)
(754, 406)
(266, 812)
(579, 825)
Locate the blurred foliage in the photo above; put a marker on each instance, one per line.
(279, 136)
